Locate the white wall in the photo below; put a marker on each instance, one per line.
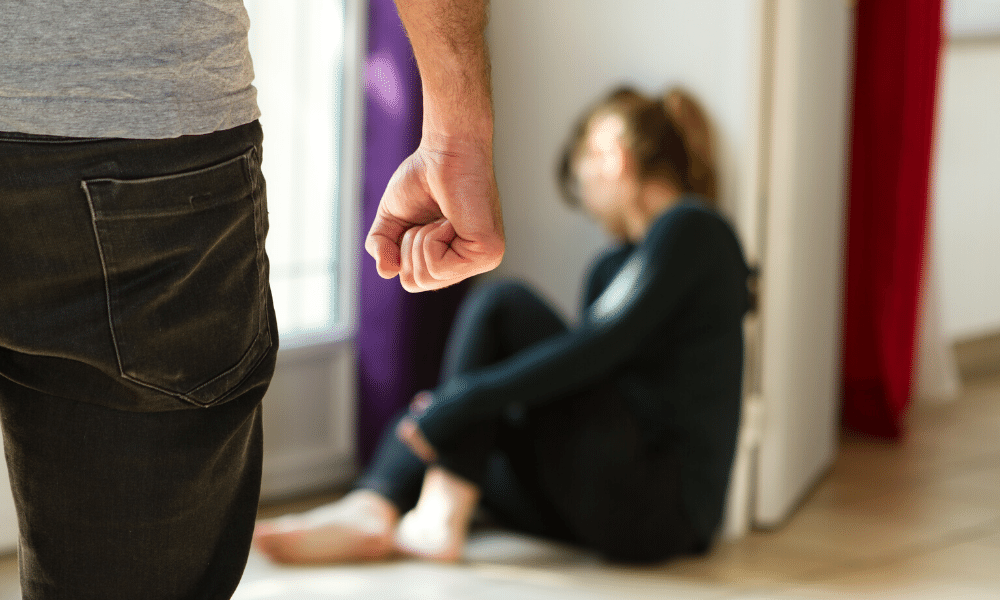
(966, 189)
(552, 59)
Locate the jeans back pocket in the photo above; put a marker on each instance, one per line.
(186, 276)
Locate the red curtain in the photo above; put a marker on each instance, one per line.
(897, 54)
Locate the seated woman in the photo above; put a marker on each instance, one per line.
(616, 434)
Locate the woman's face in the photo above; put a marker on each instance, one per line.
(602, 173)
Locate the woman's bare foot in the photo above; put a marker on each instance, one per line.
(358, 527)
(436, 529)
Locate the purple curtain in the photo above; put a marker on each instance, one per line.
(401, 336)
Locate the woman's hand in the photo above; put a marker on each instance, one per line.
(409, 432)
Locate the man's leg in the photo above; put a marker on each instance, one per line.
(137, 338)
(115, 504)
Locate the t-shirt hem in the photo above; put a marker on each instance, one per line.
(126, 119)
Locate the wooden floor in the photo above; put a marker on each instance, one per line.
(917, 520)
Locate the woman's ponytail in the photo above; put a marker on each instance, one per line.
(694, 126)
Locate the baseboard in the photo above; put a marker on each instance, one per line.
(979, 356)
(295, 474)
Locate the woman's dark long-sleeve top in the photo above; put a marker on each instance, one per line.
(663, 320)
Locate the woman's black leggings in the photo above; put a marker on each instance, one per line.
(574, 469)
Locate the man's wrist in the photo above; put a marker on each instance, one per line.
(457, 131)
(457, 96)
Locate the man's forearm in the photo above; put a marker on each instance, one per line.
(450, 47)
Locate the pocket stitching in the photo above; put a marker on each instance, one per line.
(107, 279)
(256, 346)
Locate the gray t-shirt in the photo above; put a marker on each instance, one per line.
(125, 68)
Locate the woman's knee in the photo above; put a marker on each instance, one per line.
(505, 296)
(503, 291)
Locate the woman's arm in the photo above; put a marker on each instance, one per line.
(661, 275)
(439, 220)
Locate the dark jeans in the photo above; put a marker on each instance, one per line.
(575, 469)
(137, 338)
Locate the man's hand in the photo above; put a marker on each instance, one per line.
(439, 220)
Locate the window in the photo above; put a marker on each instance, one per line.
(307, 58)
(300, 50)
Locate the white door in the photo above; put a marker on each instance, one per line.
(802, 266)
